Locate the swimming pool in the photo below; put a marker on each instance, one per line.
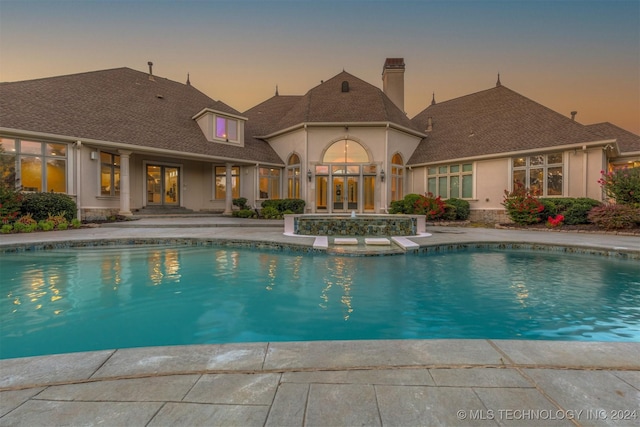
(82, 299)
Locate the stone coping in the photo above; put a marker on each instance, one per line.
(618, 252)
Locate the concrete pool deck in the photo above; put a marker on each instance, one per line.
(407, 382)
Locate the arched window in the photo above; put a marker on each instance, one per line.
(397, 177)
(293, 177)
(346, 151)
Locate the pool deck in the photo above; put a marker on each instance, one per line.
(332, 383)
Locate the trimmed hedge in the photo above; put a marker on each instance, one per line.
(462, 208)
(296, 206)
(574, 210)
(41, 205)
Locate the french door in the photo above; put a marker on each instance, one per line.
(345, 193)
(163, 185)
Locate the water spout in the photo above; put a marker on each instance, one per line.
(353, 214)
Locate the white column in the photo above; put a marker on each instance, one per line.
(125, 185)
(228, 199)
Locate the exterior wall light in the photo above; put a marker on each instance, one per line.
(382, 175)
(309, 175)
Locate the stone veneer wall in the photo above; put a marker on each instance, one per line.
(358, 226)
(489, 216)
(98, 214)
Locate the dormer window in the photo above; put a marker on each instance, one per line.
(221, 127)
(226, 129)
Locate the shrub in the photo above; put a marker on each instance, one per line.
(615, 216)
(6, 228)
(25, 224)
(46, 225)
(622, 185)
(574, 210)
(270, 212)
(240, 202)
(76, 223)
(281, 205)
(450, 212)
(396, 207)
(553, 222)
(40, 205)
(463, 209)
(244, 213)
(432, 207)
(522, 205)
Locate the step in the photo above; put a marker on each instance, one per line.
(378, 241)
(345, 241)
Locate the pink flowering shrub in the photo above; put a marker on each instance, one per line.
(622, 185)
(522, 205)
(555, 222)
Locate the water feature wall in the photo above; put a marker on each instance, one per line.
(358, 225)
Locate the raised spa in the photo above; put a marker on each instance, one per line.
(354, 225)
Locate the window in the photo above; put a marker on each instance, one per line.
(38, 166)
(452, 181)
(345, 151)
(397, 177)
(293, 177)
(269, 183)
(221, 182)
(226, 129)
(8, 161)
(109, 174)
(543, 173)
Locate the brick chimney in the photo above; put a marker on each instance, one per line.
(393, 81)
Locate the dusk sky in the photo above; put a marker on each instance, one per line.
(566, 55)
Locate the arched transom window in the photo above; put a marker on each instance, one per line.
(346, 151)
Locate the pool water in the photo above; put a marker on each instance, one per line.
(103, 298)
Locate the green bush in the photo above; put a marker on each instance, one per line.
(463, 209)
(574, 210)
(240, 202)
(615, 216)
(410, 201)
(41, 205)
(396, 207)
(270, 212)
(294, 205)
(244, 213)
(25, 224)
(522, 205)
(450, 212)
(622, 185)
(46, 225)
(6, 228)
(76, 223)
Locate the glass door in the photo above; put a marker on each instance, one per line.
(339, 196)
(163, 185)
(352, 192)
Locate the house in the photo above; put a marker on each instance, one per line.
(121, 141)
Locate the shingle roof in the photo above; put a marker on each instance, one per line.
(497, 120)
(263, 118)
(328, 103)
(121, 105)
(627, 142)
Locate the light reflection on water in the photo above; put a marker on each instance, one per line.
(88, 299)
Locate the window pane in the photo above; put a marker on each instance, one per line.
(467, 186)
(442, 187)
(554, 182)
(455, 168)
(397, 159)
(337, 169)
(28, 147)
(369, 169)
(31, 173)
(536, 181)
(321, 192)
(232, 130)
(467, 168)
(519, 162)
(347, 152)
(369, 192)
(442, 169)
(59, 150)
(454, 186)
(9, 145)
(555, 158)
(322, 170)
(431, 186)
(353, 170)
(235, 187)
(220, 170)
(294, 159)
(519, 177)
(432, 171)
(221, 185)
(536, 160)
(105, 179)
(221, 127)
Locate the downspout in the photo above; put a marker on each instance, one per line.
(585, 164)
(384, 163)
(303, 174)
(256, 185)
(78, 146)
